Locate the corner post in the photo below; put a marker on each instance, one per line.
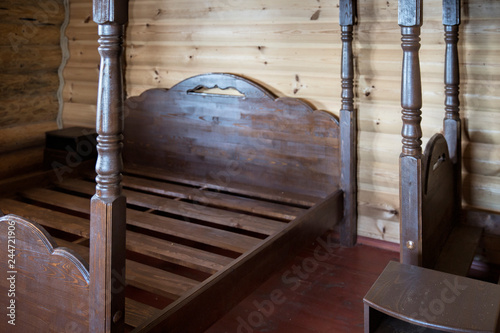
(410, 161)
(348, 125)
(451, 122)
(108, 205)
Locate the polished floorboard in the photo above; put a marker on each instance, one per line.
(319, 290)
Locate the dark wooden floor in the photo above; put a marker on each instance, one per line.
(320, 290)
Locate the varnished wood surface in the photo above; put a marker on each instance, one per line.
(459, 250)
(248, 271)
(255, 139)
(325, 298)
(184, 233)
(108, 205)
(438, 201)
(348, 124)
(410, 159)
(46, 287)
(169, 41)
(413, 294)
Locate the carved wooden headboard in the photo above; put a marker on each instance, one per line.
(251, 137)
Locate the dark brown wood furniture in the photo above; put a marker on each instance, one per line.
(213, 193)
(427, 291)
(430, 182)
(408, 298)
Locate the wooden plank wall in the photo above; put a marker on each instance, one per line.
(293, 47)
(30, 55)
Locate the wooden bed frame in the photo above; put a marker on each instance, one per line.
(431, 233)
(214, 192)
(428, 291)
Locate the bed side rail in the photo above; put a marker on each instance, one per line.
(42, 285)
(224, 290)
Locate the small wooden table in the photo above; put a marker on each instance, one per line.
(409, 299)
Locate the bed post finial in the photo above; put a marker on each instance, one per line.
(107, 221)
(410, 20)
(348, 230)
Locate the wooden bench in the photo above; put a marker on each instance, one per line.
(409, 298)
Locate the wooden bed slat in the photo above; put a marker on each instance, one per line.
(157, 281)
(46, 217)
(136, 312)
(158, 248)
(198, 233)
(222, 291)
(142, 276)
(58, 199)
(176, 253)
(190, 211)
(233, 186)
(222, 200)
(224, 239)
(208, 214)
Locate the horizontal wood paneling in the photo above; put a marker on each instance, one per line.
(293, 48)
(30, 55)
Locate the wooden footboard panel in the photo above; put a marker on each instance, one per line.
(439, 209)
(42, 286)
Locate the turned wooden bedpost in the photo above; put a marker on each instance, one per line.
(410, 20)
(451, 123)
(107, 221)
(348, 231)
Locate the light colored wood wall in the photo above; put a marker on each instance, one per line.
(30, 56)
(293, 47)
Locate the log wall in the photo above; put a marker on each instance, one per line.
(293, 47)
(30, 55)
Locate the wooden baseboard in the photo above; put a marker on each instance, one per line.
(381, 244)
(378, 243)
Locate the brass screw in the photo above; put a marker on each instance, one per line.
(410, 245)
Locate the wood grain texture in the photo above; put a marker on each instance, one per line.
(410, 160)
(410, 13)
(241, 37)
(231, 285)
(439, 215)
(21, 161)
(108, 205)
(29, 56)
(50, 284)
(254, 139)
(409, 293)
(348, 125)
(451, 12)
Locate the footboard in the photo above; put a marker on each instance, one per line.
(439, 210)
(42, 286)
